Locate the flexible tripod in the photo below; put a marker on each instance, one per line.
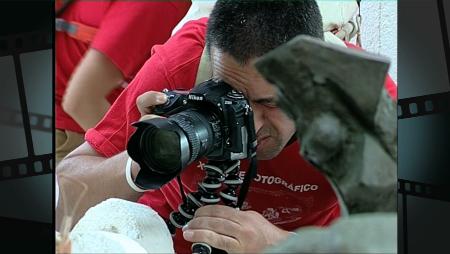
(220, 172)
(217, 173)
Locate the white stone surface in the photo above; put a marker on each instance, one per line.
(135, 221)
(103, 242)
(379, 30)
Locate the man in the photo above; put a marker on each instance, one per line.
(287, 193)
(113, 40)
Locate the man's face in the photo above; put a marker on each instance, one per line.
(273, 127)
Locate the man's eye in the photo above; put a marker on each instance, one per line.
(270, 104)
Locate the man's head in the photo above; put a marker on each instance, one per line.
(239, 32)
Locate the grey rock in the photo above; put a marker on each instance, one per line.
(359, 233)
(345, 120)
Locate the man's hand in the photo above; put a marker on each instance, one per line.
(232, 230)
(147, 101)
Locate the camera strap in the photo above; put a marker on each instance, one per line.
(204, 71)
(76, 30)
(251, 173)
(253, 167)
(183, 195)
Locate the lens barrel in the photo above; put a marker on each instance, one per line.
(165, 146)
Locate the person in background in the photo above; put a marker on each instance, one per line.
(100, 45)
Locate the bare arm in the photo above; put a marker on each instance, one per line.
(105, 178)
(93, 79)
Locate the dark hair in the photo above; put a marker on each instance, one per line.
(246, 29)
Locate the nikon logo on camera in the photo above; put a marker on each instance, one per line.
(195, 97)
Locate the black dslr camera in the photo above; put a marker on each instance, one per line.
(212, 121)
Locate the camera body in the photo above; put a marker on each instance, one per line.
(229, 109)
(212, 120)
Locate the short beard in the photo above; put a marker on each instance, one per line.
(270, 153)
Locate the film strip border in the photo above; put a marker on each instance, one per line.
(25, 167)
(25, 42)
(411, 108)
(423, 105)
(37, 121)
(32, 165)
(416, 107)
(438, 192)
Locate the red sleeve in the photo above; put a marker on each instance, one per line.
(110, 135)
(173, 65)
(389, 84)
(129, 30)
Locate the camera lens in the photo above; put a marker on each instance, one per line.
(162, 146)
(197, 127)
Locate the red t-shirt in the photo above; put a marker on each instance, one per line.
(127, 30)
(287, 191)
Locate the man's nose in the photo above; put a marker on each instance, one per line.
(258, 118)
